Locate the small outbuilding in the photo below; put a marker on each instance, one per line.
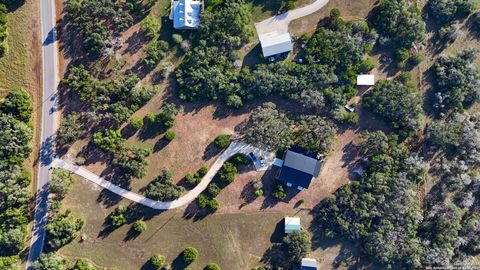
(366, 80)
(185, 14)
(292, 224)
(309, 264)
(275, 46)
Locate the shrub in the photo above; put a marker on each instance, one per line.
(118, 216)
(367, 65)
(190, 254)
(222, 141)
(150, 25)
(259, 192)
(83, 264)
(234, 101)
(192, 179)
(139, 226)
(202, 171)
(158, 261)
(49, 261)
(227, 172)
(177, 38)
(240, 159)
(298, 245)
(213, 189)
(212, 266)
(170, 135)
(61, 183)
(136, 122)
(279, 193)
(213, 204)
(203, 201)
(416, 59)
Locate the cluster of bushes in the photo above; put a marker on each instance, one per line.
(225, 176)
(15, 146)
(399, 102)
(457, 81)
(130, 159)
(155, 51)
(98, 24)
(53, 261)
(109, 102)
(195, 178)
(163, 188)
(62, 228)
(272, 129)
(3, 29)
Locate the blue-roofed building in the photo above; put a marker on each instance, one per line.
(186, 14)
(299, 168)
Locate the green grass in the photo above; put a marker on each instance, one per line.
(17, 64)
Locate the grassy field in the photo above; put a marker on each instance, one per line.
(234, 241)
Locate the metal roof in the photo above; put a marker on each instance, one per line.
(367, 80)
(292, 224)
(186, 14)
(273, 43)
(302, 163)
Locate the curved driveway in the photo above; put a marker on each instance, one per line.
(280, 22)
(234, 148)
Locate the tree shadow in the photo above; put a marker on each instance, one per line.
(210, 151)
(135, 42)
(108, 198)
(275, 257)
(247, 195)
(253, 57)
(195, 213)
(179, 263)
(160, 144)
(14, 5)
(150, 131)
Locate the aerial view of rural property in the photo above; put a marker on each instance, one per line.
(239, 134)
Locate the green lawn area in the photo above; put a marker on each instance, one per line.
(17, 66)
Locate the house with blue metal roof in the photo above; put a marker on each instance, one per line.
(298, 168)
(185, 14)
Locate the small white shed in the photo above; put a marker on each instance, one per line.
(292, 224)
(366, 80)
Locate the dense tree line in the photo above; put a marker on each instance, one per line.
(399, 22)
(399, 102)
(380, 209)
(15, 146)
(457, 81)
(3, 29)
(270, 128)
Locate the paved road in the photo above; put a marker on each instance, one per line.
(280, 22)
(234, 148)
(48, 128)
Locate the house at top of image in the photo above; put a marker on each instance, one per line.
(185, 14)
(298, 168)
(275, 46)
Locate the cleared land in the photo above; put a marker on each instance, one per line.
(234, 241)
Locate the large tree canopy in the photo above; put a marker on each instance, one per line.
(398, 102)
(400, 21)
